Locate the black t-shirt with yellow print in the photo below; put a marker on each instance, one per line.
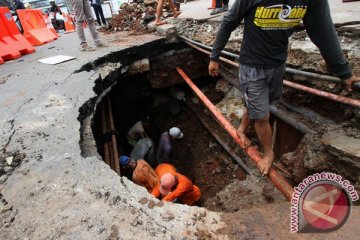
(268, 25)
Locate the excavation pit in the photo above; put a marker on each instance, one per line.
(150, 89)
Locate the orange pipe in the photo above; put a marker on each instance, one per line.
(337, 98)
(277, 179)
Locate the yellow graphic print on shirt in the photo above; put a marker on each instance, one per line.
(279, 16)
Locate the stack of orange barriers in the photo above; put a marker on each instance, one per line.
(35, 28)
(12, 43)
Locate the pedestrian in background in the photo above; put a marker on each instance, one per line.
(96, 4)
(159, 9)
(83, 13)
(221, 6)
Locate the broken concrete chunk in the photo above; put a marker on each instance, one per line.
(9, 160)
(169, 31)
(139, 66)
(342, 143)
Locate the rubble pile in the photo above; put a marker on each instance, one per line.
(134, 17)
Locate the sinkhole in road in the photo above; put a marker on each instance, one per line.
(151, 88)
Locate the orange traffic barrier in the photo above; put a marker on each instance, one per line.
(49, 25)
(213, 4)
(69, 25)
(34, 26)
(12, 43)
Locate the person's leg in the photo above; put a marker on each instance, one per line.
(264, 133)
(244, 83)
(102, 15)
(262, 126)
(218, 7)
(240, 132)
(90, 21)
(226, 5)
(96, 10)
(159, 12)
(255, 87)
(172, 6)
(79, 17)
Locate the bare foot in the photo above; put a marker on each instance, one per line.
(244, 139)
(177, 14)
(160, 23)
(265, 164)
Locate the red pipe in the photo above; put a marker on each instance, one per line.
(278, 180)
(337, 98)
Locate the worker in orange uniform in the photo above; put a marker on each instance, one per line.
(143, 174)
(175, 186)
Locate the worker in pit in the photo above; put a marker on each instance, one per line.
(137, 131)
(142, 173)
(174, 186)
(144, 149)
(165, 144)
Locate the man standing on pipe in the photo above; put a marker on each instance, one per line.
(268, 25)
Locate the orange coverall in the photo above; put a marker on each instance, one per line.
(185, 191)
(144, 175)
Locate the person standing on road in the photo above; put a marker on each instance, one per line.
(268, 25)
(96, 4)
(159, 9)
(83, 13)
(221, 6)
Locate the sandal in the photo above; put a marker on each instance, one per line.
(177, 14)
(86, 48)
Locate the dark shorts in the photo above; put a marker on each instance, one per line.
(260, 87)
